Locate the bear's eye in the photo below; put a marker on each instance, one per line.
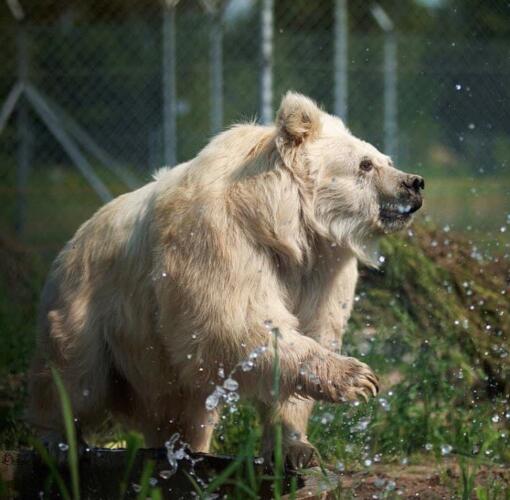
(366, 165)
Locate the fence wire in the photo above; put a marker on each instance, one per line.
(111, 91)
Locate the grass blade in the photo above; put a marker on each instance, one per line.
(278, 458)
(52, 466)
(222, 478)
(67, 414)
(195, 485)
(145, 480)
(133, 444)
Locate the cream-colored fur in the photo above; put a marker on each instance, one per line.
(164, 286)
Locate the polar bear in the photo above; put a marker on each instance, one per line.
(167, 288)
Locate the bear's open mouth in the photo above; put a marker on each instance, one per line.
(396, 211)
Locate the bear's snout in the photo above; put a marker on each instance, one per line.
(413, 186)
(414, 183)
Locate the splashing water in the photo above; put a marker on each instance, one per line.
(174, 454)
(446, 449)
(228, 391)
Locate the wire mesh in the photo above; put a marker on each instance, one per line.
(100, 66)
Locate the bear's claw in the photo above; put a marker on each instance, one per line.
(340, 378)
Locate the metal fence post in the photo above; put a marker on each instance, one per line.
(390, 79)
(390, 95)
(216, 70)
(340, 59)
(23, 131)
(169, 84)
(266, 61)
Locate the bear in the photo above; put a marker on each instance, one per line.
(241, 258)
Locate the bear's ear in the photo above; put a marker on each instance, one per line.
(298, 119)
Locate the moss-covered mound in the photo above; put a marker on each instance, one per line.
(436, 291)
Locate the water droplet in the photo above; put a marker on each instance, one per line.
(230, 384)
(86, 393)
(259, 460)
(385, 405)
(189, 356)
(391, 485)
(361, 425)
(381, 259)
(326, 418)
(379, 482)
(340, 467)
(136, 487)
(268, 323)
(260, 350)
(232, 397)
(367, 462)
(446, 449)
(212, 401)
(166, 474)
(458, 86)
(247, 365)
(63, 446)
(495, 418)
(153, 481)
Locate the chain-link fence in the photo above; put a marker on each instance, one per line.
(96, 95)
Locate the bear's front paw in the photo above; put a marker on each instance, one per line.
(358, 380)
(338, 378)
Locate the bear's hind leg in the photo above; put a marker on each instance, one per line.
(84, 365)
(185, 415)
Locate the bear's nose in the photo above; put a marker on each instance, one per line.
(415, 182)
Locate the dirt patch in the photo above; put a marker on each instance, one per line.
(419, 481)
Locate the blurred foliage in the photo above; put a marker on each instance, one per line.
(21, 278)
(473, 18)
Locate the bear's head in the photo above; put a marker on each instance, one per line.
(357, 193)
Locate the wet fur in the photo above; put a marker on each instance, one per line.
(165, 285)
